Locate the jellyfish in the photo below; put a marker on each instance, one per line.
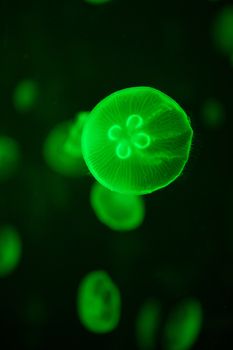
(10, 250)
(73, 142)
(183, 325)
(25, 95)
(120, 212)
(9, 157)
(213, 114)
(136, 141)
(98, 303)
(147, 324)
(62, 148)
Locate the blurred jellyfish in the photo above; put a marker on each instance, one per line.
(120, 212)
(98, 302)
(9, 157)
(10, 250)
(147, 324)
(223, 30)
(62, 148)
(25, 95)
(213, 114)
(73, 142)
(136, 141)
(183, 325)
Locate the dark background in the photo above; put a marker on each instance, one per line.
(79, 53)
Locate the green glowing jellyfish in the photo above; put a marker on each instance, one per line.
(25, 95)
(9, 157)
(120, 212)
(98, 302)
(223, 30)
(62, 149)
(10, 250)
(136, 140)
(213, 114)
(147, 324)
(183, 326)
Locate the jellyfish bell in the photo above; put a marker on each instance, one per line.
(183, 325)
(72, 144)
(120, 212)
(98, 302)
(136, 140)
(62, 148)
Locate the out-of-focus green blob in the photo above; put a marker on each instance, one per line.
(34, 319)
(147, 324)
(136, 140)
(213, 114)
(223, 30)
(73, 141)
(120, 212)
(25, 95)
(183, 325)
(9, 157)
(35, 311)
(98, 302)
(62, 148)
(10, 250)
(97, 2)
(55, 154)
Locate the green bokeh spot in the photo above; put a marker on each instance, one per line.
(35, 311)
(223, 30)
(213, 114)
(147, 324)
(183, 325)
(9, 157)
(25, 95)
(10, 250)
